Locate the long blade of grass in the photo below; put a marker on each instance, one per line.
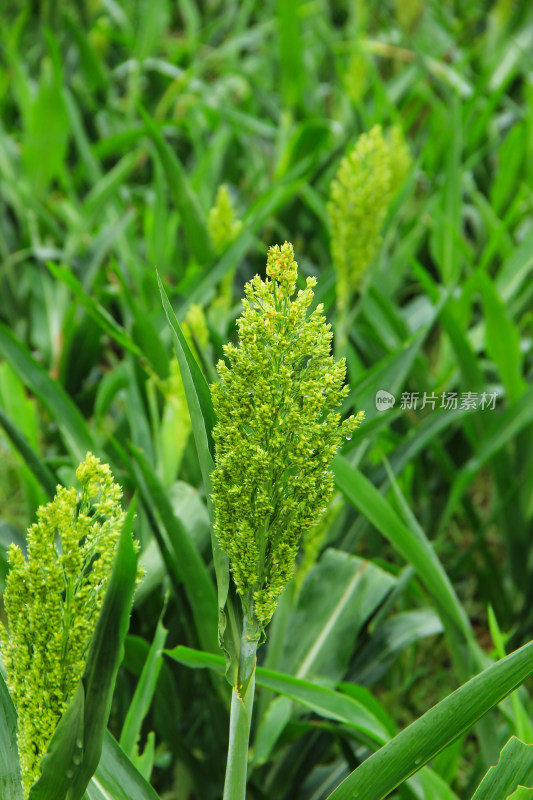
(291, 53)
(186, 560)
(340, 593)
(404, 755)
(203, 420)
(514, 769)
(95, 310)
(504, 429)
(412, 545)
(10, 782)
(117, 778)
(32, 460)
(183, 195)
(327, 703)
(142, 699)
(73, 427)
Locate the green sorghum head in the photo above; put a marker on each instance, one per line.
(52, 600)
(365, 183)
(222, 224)
(278, 428)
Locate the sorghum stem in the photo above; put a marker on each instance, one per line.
(242, 700)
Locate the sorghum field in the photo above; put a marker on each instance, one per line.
(266, 401)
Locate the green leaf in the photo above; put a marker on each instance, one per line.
(32, 460)
(181, 556)
(390, 639)
(340, 593)
(502, 339)
(357, 713)
(510, 159)
(10, 782)
(411, 544)
(203, 420)
(76, 745)
(198, 395)
(116, 778)
(95, 310)
(106, 188)
(389, 373)
(46, 131)
(73, 428)
(514, 769)
(291, 53)
(141, 701)
(404, 755)
(183, 195)
(358, 710)
(501, 431)
(64, 754)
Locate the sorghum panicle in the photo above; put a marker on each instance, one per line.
(278, 429)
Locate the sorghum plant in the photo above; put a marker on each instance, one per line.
(278, 429)
(53, 599)
(365, 183)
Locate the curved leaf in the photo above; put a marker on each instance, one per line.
(404, 755)
(70, 421)
(116, 778)
(514, 769)
(10, 783)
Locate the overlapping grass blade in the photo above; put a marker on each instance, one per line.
(144, 693)
(32, 460)
(95, 310)
(10, 782)
(71, 423)
(411, 749)
(116, 778)
(339, 595)
(186, 561)
(203, 420)
(183, 195)
(412, 545)
(320, 700)
(502, 431)
(514, 769)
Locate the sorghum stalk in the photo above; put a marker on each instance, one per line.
(278, 429)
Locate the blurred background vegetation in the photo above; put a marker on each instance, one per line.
(120, 121)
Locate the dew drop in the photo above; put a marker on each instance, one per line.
(348, 436)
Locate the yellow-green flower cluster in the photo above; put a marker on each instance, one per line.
(367, 179)
(222, 224)
(52, 601)
(223, 228)
(278, 429)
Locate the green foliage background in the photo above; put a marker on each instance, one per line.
(119, 121)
